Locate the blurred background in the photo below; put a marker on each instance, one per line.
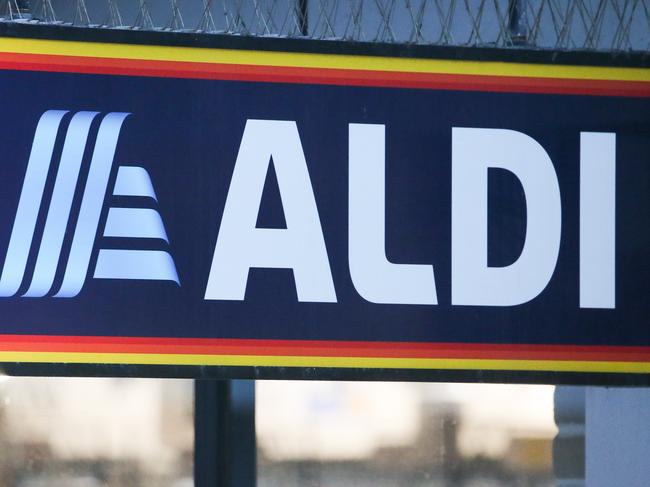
(77, 432)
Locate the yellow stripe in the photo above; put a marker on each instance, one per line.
(287, 59)
(337, 362)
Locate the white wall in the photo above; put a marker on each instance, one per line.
(617, 437)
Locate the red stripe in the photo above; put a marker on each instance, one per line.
(210, 346)
(73, 64)
(327, 76)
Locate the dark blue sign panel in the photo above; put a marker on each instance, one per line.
(211, 214)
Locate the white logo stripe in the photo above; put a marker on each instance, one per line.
(134, 223)
(30, 202)
(133, 181)
(59, 211)
(91, 205)
(154, 265)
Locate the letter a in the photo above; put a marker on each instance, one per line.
(240, 245)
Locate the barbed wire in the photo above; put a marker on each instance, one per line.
(603, 25)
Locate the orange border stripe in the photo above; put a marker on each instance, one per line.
(200, 351)
(323, 69)
(219, 64)
(347, 77)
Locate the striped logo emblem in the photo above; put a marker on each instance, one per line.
(121, 222)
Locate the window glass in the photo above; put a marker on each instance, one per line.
(381, 434)
(73, 432)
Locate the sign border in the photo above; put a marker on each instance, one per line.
(184, 55)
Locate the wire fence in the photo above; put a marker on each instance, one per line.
(602, 25)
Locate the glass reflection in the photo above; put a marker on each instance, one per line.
(76, 432)
(406, 434)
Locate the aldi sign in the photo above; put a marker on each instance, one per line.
(202, 211)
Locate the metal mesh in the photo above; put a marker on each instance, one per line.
(606, 25)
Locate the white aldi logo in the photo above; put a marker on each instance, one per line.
(121, 222)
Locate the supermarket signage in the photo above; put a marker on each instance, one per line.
(241, 245)
(367, 222)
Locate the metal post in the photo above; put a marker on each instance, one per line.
(569, 444)
(224, 429)
(517, 29)
(303, 20)
(242, 444)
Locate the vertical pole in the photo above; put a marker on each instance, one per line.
(242, 444)
(569, 444)
(303, 20)
(208, 452)
(224, 429)
(517, 30)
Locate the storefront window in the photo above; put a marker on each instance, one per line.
(72, 432)
(345, 433)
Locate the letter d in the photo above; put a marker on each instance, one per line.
(474, 150)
